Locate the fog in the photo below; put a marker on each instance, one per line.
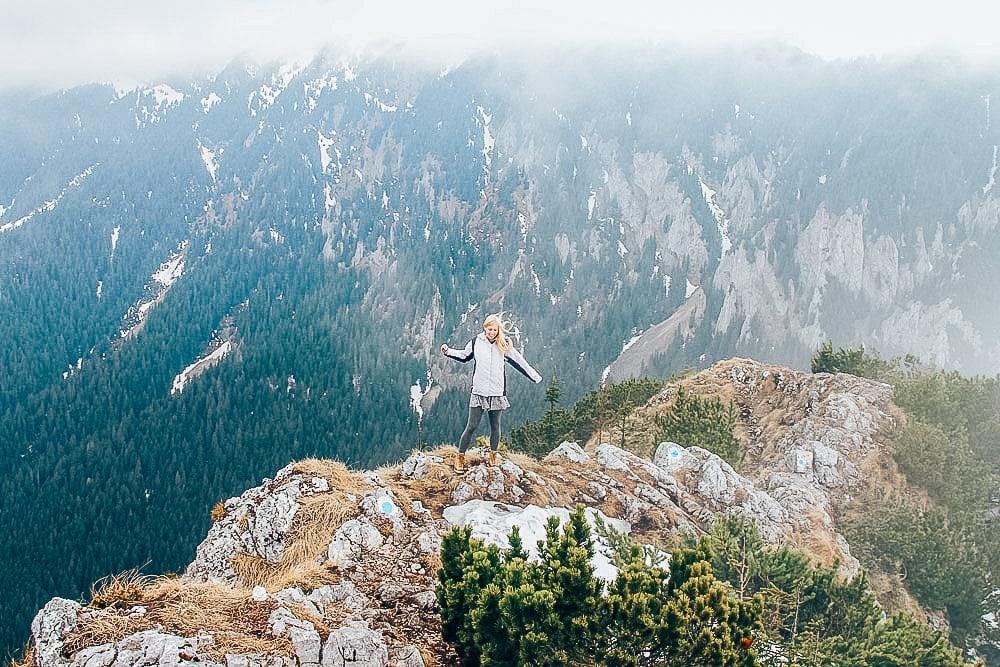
(47, 44)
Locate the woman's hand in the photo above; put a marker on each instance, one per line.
(444, 348)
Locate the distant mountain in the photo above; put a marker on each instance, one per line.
(203, 279)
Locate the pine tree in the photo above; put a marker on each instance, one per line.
(553, 392)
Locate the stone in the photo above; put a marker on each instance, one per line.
(290, 596)
(344, 593)
(429, 542)
(259, 660)
(95, 656)
(408, 656)
(462, 493)
(302, 634)
(151, 647)
(355, 645)
(256, 523)
(417, 465)
(352, 540)
(569, 451)
(426, 600)
(669, 455)
(49, 628)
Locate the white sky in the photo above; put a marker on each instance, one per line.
(51, 43)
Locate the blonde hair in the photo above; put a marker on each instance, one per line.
(502, 341)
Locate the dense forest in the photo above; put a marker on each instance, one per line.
(335, 223)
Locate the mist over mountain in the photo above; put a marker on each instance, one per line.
(203, 279)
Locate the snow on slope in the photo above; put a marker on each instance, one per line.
(52, 203)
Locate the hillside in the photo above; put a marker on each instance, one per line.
(320, 562)
(206, 277)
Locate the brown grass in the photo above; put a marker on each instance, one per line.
(219, 511)
(27, 657)
(336, 473)
(313, 527)
(114, 588)
(185, 608)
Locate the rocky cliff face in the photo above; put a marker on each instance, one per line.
(326, 566)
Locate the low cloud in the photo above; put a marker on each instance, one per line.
(52, 43)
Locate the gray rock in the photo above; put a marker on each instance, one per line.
(462, 493)
(612, 457)
(408, 656)
(352, 540)
(302, 634)
(296, 596)
(151, 647)
(417, 464)
(355, 645)
(256, 523)
(429, 542)
(569, 451)
(669, 455)
(49, 629)
(427, 600)
(96, 656)
(259, 660)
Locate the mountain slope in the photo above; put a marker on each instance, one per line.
(334, 221)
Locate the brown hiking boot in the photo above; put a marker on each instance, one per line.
(460, 463)
(493, 458)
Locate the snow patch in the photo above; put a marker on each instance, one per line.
(208, 157)
(210, 101)
(488, 141)
(114, 241)
(993, 173)
(622, 250)
(822, 179)
(690, 289)
(314, 89)
(591, 203)
(628, 118)
(160, 283)
(268, 93)
(492, 522)
(720, 219)
(163, 97)
(324, 149)
(49, 205)
(182, 379)
(417, 394)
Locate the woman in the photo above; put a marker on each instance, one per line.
(489, 351)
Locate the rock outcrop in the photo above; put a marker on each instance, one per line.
(321, 566)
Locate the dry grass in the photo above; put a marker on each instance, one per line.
(892, 594)
(27, 657)
(238, 623)
(336, 473)
(114, 588)
(307, 575)
(219, 511)
(313, 527)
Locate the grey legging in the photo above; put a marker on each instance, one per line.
(475, 416)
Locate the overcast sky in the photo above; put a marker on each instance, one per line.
(57, 43)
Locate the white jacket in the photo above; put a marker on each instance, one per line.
(490, 377)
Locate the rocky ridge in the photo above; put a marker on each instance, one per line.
(326, 566)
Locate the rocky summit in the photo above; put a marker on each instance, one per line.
(321, 565)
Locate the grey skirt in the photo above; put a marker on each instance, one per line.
(489, 402)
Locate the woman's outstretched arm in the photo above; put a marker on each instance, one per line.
(462, 355)
(515, 359)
